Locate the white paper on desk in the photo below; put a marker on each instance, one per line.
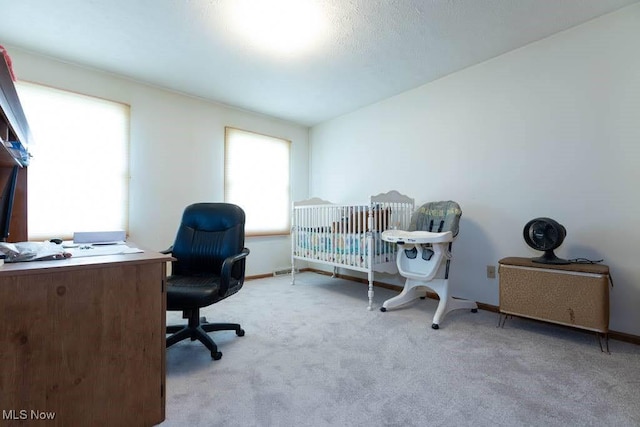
(93, 250)
(130, 250)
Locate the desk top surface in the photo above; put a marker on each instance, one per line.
(82, 262)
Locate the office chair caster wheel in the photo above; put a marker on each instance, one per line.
(216, 355)
(240, 332)
(474, 310)
(435, 326)
(382, 309)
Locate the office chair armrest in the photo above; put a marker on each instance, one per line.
(168, 250)
(227, 268)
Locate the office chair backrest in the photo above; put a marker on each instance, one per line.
(437, 217)
(208, 233)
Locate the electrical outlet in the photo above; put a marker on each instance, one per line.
(491, 271)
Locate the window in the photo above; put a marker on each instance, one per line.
(78, 178)
(256, 178)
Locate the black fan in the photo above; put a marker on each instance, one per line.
(545, 234)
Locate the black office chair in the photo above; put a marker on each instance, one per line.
(209, 267)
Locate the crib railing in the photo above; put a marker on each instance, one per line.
(347, 235)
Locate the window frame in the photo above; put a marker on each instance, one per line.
(285, 230)
(122, 168)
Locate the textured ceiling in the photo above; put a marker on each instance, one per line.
(369, 50)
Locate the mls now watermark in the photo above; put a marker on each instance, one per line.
(24, 414)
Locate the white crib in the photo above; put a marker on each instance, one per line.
(348, 236)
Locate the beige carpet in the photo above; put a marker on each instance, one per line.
(314, 356)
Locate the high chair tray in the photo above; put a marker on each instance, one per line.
(417, 237)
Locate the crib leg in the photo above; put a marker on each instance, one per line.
(335, 272)
(370, 293)
(293, 267)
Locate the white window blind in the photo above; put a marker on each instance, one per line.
(256, 178)
(78, 178)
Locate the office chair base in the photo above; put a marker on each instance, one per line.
(197, 330)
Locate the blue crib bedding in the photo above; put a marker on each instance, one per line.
(342, 248)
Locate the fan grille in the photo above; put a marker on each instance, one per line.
(545, 234)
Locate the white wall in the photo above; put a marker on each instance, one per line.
(177, 151)
(551, 129)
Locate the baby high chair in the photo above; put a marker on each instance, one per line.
(423, 252)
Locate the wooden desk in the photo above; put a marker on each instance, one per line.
(84, 338)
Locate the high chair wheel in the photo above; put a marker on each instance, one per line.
(435, 326)
(216, 355)
(240, 332)
(382, 309)
(474, 310)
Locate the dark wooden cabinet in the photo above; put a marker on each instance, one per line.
(14, 130)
